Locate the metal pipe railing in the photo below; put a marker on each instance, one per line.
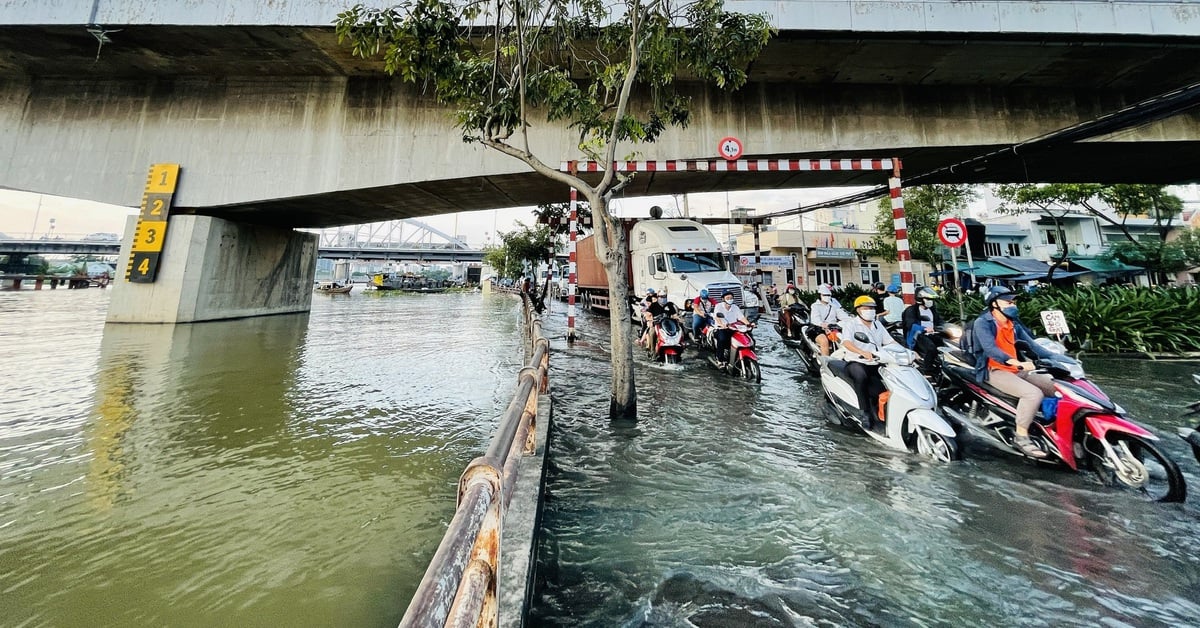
(459, 586)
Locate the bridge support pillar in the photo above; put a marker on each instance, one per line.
(213, 269)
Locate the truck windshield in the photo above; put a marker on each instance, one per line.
(696, 262)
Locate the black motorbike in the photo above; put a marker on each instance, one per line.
(798, 313)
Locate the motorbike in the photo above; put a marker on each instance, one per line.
(1192, 436)
(908, 408)
(798, 314)
(1079, 427)
(810, 351)
(668, 340)
(743, 362)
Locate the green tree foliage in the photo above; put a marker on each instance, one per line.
(556, 215)
(1125, 200)
(924, 207)
(502, 65)
(521, 250)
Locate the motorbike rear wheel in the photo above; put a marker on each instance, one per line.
(750, 370)
(939, 447)
(1143, 468)
(671, 358)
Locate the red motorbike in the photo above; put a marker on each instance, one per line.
(668, 340)
(743, 362)
(1079, 427)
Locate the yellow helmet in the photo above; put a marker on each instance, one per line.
(864, 300)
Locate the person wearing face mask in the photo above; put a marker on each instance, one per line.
(996, 333)
(921, 322)
(788, 300)
(862, 368)
(893, 305)
(726, 313)
(824, 312)
(702, 307)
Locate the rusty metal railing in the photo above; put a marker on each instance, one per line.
(460, 586)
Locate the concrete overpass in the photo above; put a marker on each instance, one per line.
(275, 123)
(278, 127)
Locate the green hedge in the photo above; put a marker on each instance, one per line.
(1110, 319)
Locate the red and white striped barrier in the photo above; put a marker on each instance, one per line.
(740, 165)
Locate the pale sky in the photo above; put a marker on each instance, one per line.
(25, 214)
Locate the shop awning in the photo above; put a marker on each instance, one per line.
(1058, 274)
(1098, 265)
(982, 269)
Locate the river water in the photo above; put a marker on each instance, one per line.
(300, 470)
(284, 471)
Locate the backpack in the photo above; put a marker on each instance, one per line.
(971, 350)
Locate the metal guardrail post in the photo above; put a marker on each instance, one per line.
(460, 585)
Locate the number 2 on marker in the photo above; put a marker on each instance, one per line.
(158, 206)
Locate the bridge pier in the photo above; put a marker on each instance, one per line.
(212, 269)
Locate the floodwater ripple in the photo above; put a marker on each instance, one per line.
(731, 504)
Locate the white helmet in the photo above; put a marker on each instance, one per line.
(824, 290)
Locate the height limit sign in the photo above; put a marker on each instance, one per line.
(952, 232)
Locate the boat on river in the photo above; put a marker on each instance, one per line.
(333, 287)
(405, 282)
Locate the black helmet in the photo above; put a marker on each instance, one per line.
(998, 292)
(878, 285)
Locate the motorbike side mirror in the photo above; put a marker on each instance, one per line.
(720, 316)
(683, 276)
(861, 337)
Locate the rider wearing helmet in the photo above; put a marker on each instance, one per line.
(921, 317)
(893, 305)
(865, 373)
(921, 321)
(824, 312)
(996, 333)
(702, 307)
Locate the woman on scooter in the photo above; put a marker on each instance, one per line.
(867, 382)
(789, 298)
(996, 333)
(702, 307)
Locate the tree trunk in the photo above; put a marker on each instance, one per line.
(614, 251)
(1062, 247)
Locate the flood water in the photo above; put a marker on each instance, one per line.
(732, 504)
(284, 471)
(300, 471)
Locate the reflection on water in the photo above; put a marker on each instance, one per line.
(730, 504)
(288, 470)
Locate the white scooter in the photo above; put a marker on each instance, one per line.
(910, 418)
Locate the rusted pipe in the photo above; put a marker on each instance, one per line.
(431, 603)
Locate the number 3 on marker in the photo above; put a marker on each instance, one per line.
(150, 236)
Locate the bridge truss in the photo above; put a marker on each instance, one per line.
(404, 234)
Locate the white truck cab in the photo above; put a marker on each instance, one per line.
(682, 257)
